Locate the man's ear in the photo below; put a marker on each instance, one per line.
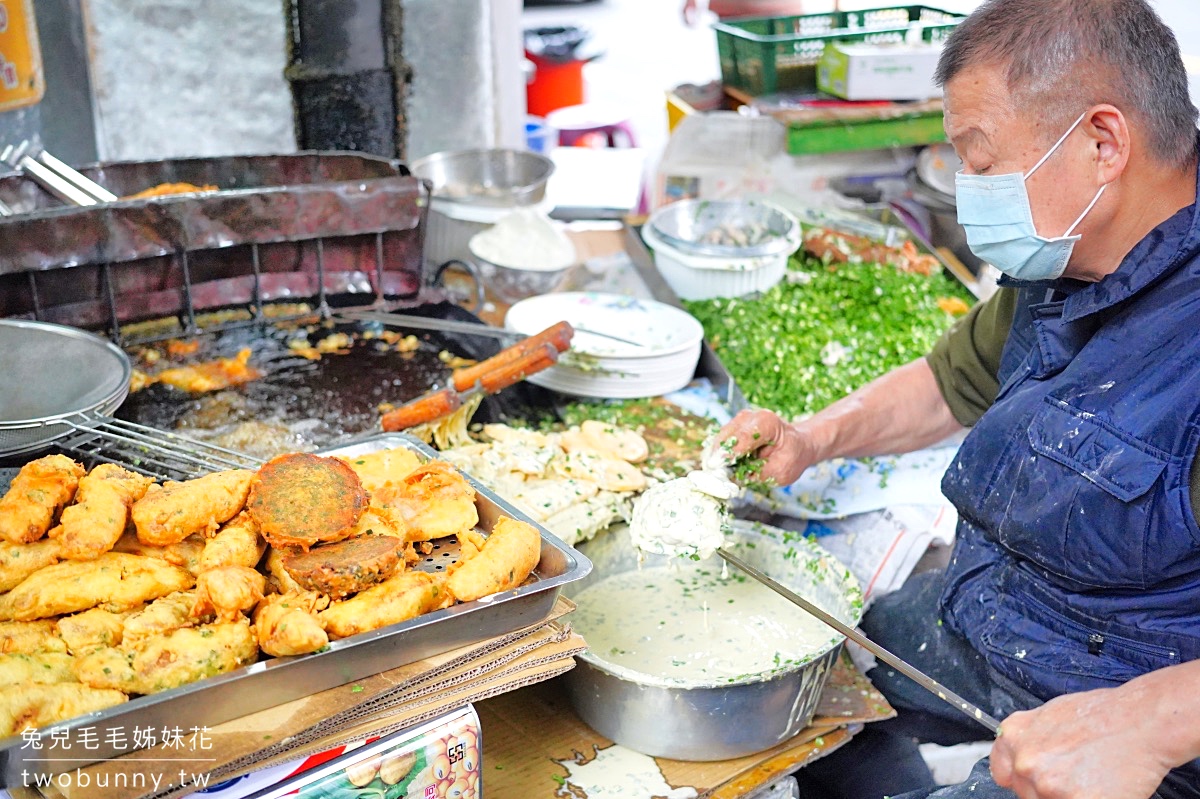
(1109, 131)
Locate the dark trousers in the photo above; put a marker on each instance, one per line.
(883, 760)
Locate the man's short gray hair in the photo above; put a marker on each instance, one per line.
(1063, 56)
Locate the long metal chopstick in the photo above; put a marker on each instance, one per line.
(452, 326)
(914, 674)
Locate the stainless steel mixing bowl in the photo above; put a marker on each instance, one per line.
(492, 177)
(715, 721)
(711, 228)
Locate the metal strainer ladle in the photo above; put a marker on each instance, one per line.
(61, 385)
(54, 378)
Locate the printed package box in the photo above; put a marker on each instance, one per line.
(864, 71)
(435, 760)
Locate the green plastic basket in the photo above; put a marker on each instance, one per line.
(762, 55)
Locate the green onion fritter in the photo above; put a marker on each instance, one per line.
(804, 344)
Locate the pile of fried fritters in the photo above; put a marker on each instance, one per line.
(116, 585)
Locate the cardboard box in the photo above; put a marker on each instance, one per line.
(863, 71)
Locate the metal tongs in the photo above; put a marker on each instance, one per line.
(509, 366)
(56, 177)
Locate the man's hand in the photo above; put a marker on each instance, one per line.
(1100, 744)
(787, 449)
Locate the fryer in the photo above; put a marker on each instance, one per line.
(296, 245)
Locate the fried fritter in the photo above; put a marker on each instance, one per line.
(211, 375)
(25, 706)
(277, 574)
(287, 624)
(91, 526)
(378, 520)
(235, 544)
(172, 511)
(49, 667)
(509, 555)
(164, 615)
(186, 554)
(18, 561)
(30, 637)
(434, 501)
(39, 491)
(300, 500)
(115, 580)
(403, 596)
(169, 661)
(228, 592)
(377, 469)
(92, 629)
(346, 567)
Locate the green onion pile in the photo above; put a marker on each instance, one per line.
(810, 341)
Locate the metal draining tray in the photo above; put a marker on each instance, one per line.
(271, 682)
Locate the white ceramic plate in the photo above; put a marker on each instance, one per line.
(661, 329)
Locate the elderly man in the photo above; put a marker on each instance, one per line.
(1071, 605)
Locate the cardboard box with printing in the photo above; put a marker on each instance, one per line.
(864, 71)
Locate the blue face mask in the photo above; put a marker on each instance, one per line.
(994, 211)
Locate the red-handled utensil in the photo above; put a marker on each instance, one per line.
(509, 366)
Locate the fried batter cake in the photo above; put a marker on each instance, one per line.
(403, 596)
(509, 555)
(93, 524)
(377, 469)
(49, 667)
(211, 375)
(186, 554)
(300, 500)
(18, 561)
(237, 543)
(433, 501)
(37, 494)
(346, 567)
(30, 637)
(115, 580)
(277, 575)
(169, 661)
(170, 512)
(287, 624)
(90, 630)
(164, 615)
(25, 706)
(228, 591)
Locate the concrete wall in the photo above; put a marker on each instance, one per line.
(178, 78)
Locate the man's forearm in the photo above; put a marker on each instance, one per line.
(899, 412)
(1173, 696)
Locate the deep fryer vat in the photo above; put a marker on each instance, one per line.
(271, 682)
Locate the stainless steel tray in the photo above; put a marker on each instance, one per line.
(271, 682)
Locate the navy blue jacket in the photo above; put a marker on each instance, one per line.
(1077, 564)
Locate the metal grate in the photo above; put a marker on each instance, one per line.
(151, 452)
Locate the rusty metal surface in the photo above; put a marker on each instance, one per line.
(317, 225)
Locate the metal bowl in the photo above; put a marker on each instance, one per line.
(495, 177)
(709, 228)
(722, 720)
(54, 374)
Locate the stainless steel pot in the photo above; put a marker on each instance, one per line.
(715, 721)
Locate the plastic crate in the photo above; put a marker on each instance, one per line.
(761, 55)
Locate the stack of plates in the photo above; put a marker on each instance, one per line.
(647, 348)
